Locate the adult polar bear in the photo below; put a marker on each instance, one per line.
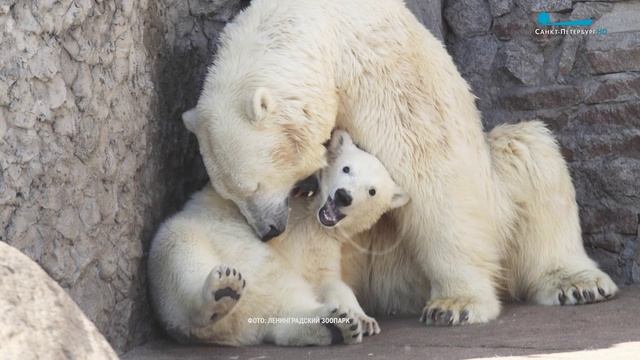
(289, 71)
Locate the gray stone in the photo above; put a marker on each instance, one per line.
(612, 181)
(616, 52)
(512, 25)
(593, 145)
(39, 320)
(599, 220)
(524, 61)
(468, 17)
(555, 96)
(3, 124)
(623, 115)
(570, 45)
(612, 88)
(544, 5)
(593, 10)
(475, 55)
(500, 7)
(622, 18)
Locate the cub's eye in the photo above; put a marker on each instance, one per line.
(346, 169)
(372, 192)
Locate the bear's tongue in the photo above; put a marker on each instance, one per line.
(329, 214)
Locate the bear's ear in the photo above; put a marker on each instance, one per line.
(260, 105)
(339, 138)
(399, 198)
(190, 118)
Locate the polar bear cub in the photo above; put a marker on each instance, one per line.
(213, 281)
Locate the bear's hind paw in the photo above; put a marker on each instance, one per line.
(222, 291)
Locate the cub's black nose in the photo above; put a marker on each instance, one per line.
(342, 198)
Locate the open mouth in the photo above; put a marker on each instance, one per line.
(329, 214)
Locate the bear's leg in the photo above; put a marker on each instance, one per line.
(546, 259)
(221, 292)
(302, 320)
(336, 291)
(322, 325)
(552, 265)
(458, 254)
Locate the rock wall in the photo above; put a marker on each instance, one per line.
(586, 87)
(93, 154)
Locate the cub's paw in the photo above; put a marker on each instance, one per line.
(582, 287)
(344, 327)
(222, 290)
(458, 311)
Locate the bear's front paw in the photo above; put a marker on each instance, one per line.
(344, 327)
(222, 290)
(580, 287)
(458, 311)
(369, 325)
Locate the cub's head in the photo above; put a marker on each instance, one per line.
(355, 187)
(256, 144)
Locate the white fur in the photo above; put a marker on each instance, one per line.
(295, 275)
(374, 70)
(540, 264)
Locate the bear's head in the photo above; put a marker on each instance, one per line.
(356, 188)
(256, 146)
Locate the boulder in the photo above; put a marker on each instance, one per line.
(38, 320)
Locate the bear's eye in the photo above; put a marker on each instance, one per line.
(372, 192)
(346, 169)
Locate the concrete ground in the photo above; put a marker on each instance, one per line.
(609, 330)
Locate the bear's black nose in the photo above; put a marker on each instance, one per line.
(342, 198)
(273, 232)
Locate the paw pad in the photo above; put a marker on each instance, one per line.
(223, 289)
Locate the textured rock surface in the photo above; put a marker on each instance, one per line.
(587, 88)
(38, 320)
(467, 17)
(93, 153)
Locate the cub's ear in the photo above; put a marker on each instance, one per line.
(399, 198)
(339, 138)
(260, 105)
(190, 119)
